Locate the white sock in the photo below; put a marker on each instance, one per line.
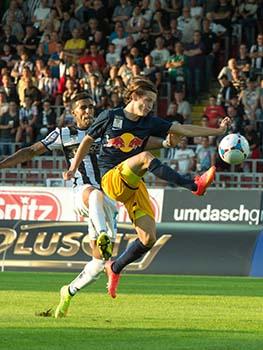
(89, 274)
(96, 210)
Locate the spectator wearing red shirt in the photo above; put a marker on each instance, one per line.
(213, 112)
(93, 57)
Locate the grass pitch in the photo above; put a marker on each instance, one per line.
(150, 313)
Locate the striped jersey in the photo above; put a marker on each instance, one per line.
(67, 139)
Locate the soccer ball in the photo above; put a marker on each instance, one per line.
(233, 149)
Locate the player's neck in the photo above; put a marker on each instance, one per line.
(129, 114)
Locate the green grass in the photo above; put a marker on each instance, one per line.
(150, 313)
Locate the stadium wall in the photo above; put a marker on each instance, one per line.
(219, 234)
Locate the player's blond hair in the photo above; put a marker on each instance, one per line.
(139, 86)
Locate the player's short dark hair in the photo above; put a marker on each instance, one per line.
(139, 86)
(79, 96)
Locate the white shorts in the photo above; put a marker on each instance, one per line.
(110, 210)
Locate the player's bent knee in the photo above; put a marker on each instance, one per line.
(148, 241)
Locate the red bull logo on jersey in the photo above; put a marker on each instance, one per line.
(125, 142)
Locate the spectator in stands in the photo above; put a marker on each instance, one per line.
(176, 66)
(238, 122)
(16, 27)
(169, 39)
(223, 13)
(9, 89)
(46, 121)
(89, 70)
(8, 38)
(21, 66)
(182, 158)
(27, 122)
(67, 26)
(70, 88)
(146, 12)
(212, 47)
(160, 54)
(248, 19)
(136, 22)
(145, 43)
(138, 58)
(183, 106)
(116, 101)
(205, 155)
(250, 98)
(66, 118)
(113, 58)
(120, 41)
(196, 11)
(41, 54)
(176, 33)
(84, 12)
(41, 14)
(238, 80)
(243, 60)
(48, 85)
(254, 144)
(226, 92)
(53, 43)
(256, 54)
(3, 102)
(172, 114)
(227, 70)
(14, 10)
(52, 23)
(158, 23)
(196, 63)
(125, 71)
(30, 40)
(93, 56)
(74, 47)
(96, 91)
(130, 42)
(39, 69)
(56, 61)
(213, 112)
(9, 122)
(23, 83)
(151, 71)
(122, 12)
(90, 30)
(187, 26)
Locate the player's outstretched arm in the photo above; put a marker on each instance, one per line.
(83, 149)
(194, 130)
(171, 141)
(23, 155)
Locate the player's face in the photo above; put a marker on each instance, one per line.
(84, 113)
(144, 104)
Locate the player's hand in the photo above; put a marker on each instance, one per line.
(172, 140)
(68, 175)
(225, 123)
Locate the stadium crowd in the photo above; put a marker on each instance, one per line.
(51, 49)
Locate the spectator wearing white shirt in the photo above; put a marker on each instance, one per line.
(160, 54)
(182, 158)
(41, 13)
(113, 58)
(256, 54)
(187, 25)
(120, 42)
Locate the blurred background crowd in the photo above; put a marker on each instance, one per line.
(199, 53)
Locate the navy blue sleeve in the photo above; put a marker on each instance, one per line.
(98, 127)
(160, 127)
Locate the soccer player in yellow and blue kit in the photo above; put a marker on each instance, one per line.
(123, 162)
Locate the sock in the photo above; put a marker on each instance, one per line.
(134, 251)
(96, 211)
(88, 275)
(166, 173)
